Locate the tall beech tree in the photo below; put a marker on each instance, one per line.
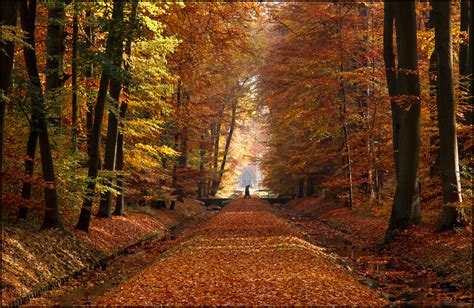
(113, 53)
(406, 205)
(39, 125)
(448, 149)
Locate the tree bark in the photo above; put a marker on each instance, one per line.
(89, 73)
(449, 160)
(217, 183)
(391, 75)
(29, 168)
(113, 49)
(406, 206)
(105, 208)
(120, 202)
(215, 162)
(202, 154)
(28, 18)
(75, 106)
(8, 17)
(301, 188)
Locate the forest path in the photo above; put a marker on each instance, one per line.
(245, 255)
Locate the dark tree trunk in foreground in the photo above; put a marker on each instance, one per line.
(8, 17)
(449, 161)
(52, 216)
(406, 206)
(113, 49)
(120, 200)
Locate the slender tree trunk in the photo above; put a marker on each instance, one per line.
(28, 19)
(301, 187)
(174, 179)
(89, 73)
(391, 75)
(217, 136)
(29, 168)
(8, 17)
(449, 160)
(105, 208)
(217, 183)
(406, 206)
(343, 117)
(113, 50)
(202, 154)
(75, 107)
(120, 202)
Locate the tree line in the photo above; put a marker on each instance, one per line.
(357, 93)
(123, 98)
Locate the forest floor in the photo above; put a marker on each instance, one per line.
(243, 255)
(33, 259)
(422, 266)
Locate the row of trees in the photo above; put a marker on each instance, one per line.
(125, 99)
(349, 114)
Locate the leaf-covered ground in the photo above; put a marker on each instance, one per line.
(33, 259)
(422, 266)
(244, 256)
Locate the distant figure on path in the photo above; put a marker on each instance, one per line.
(247, 192)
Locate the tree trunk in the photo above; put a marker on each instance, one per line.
(113, 50)
(8, 17)
(89, 73)
(120, 202)
(391, 75)
(29, 168)
(217, 183)
(75, 107)
(406, 206)
(215, 163)
(202, 154)
(28, 19)
(105, 208)
(449, 161)
(174, 179)
(301, 187)
(343, 117)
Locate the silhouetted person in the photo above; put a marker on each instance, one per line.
(247, 192)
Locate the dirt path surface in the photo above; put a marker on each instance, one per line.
(92, 285)
(245, 255)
